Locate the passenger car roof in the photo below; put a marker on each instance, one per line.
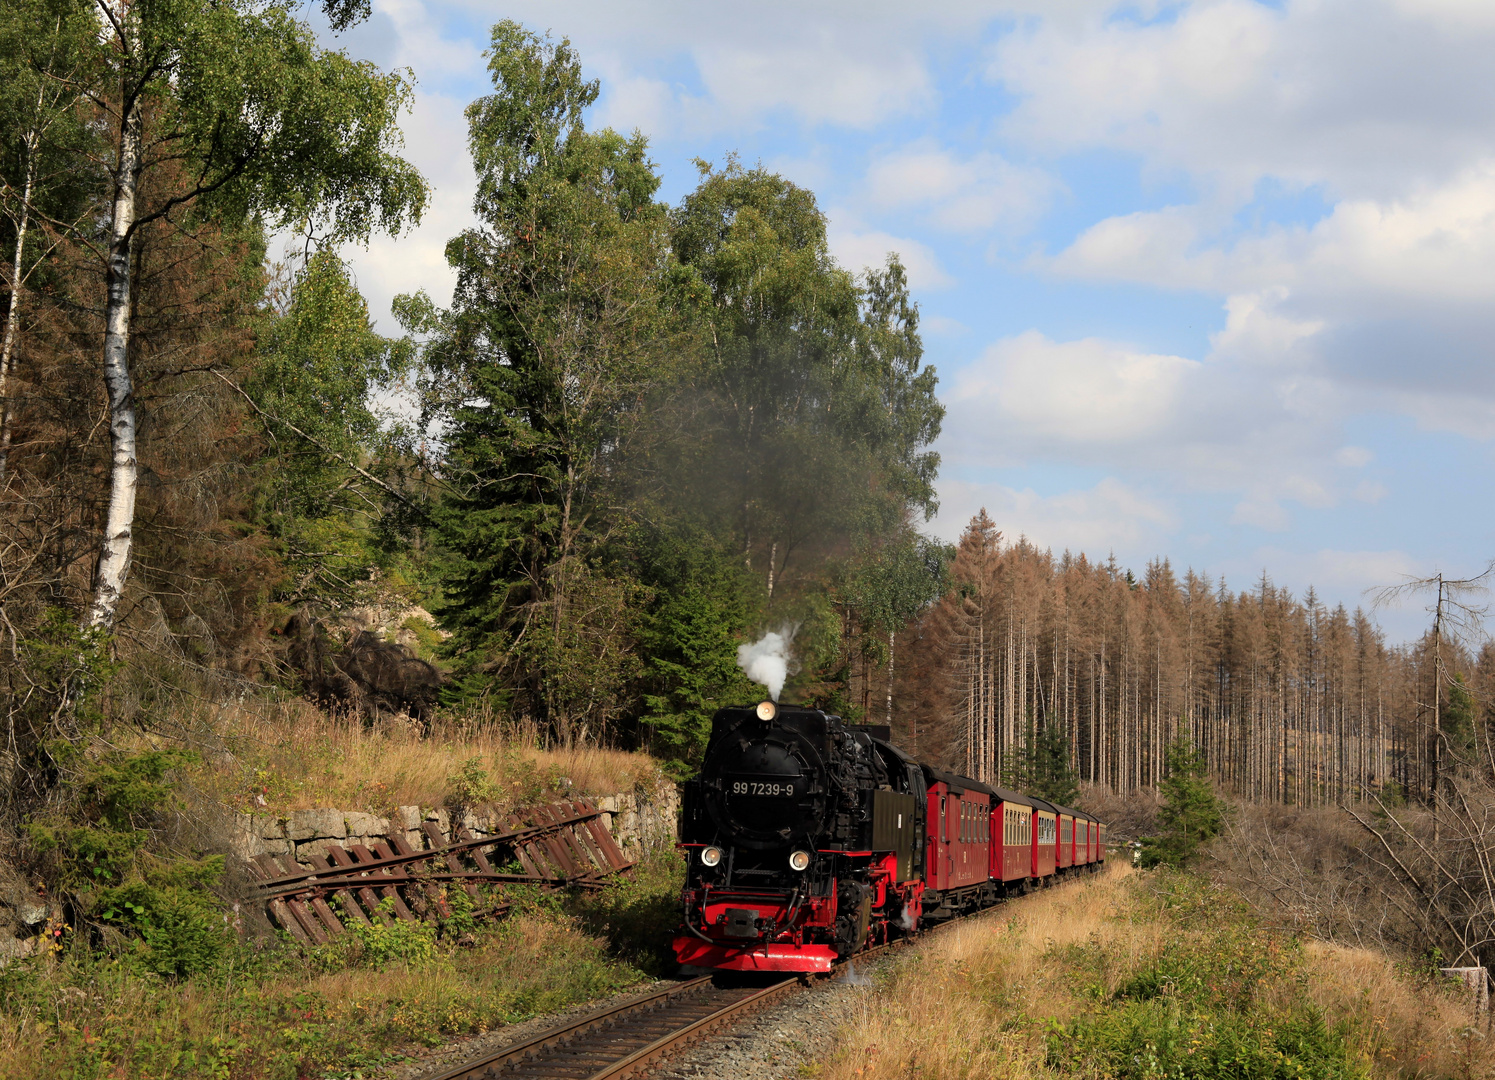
(958, 783)
(1007, 795)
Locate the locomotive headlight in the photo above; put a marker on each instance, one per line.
(767, 710)
(710, 856)
(799, 860)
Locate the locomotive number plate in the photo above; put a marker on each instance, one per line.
(754, 787)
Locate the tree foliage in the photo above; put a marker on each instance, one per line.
(633, 398)
(1042, 768)
(537, 372)
(319, 361)
(1192, 814)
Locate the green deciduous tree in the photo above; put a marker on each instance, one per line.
(318, 361)
(813, 414)
(890, 587)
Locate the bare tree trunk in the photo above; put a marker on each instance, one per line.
(115, 548)
(890, 678)
(1437, 703)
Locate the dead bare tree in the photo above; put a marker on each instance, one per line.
(1459, 608)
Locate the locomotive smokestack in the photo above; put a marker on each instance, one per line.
(767, 660)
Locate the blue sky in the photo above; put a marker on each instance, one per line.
(1211, 281)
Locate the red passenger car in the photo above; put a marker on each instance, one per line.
(1012, 834)
(1045, 838)
(1066, 839)
(958, 842)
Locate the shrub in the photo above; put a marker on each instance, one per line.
(385, 941)
(182, 929)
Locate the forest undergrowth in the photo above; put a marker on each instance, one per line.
(1141, 975)
(270, 1011)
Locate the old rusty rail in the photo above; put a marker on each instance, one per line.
(563, 845)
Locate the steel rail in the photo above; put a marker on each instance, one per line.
(645, 1058)
(492, 1063)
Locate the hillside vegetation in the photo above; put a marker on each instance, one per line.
(1136, 976)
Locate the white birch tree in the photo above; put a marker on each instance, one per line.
(237, 105)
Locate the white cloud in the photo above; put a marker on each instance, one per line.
(1095, 520)
(1077, 392)
(1433, 244)
(1354, 575)
(677, 68)
(1268, 439)
(1385, 305)
(942, 325)
(1362, 95)
(420, 44)
(1262, 511)
(959, 194)
(436, 139)
(858, 249)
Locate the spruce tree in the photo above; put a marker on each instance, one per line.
(1192, 813)
(539, 374)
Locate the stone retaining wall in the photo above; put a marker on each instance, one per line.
(638, 823)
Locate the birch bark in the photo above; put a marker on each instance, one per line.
(13, 315)
(115, 548)
(17, 279)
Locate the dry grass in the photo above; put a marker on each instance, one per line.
(964, 1004)
(995, 996)
(1403, 1025)
(286, 754)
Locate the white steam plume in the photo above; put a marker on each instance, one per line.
(767, 660)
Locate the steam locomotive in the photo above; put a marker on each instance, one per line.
(809, 839)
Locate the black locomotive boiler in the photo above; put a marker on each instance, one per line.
(808, 838)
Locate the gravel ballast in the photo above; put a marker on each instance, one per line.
(787, 1040)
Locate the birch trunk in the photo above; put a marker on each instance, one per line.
(114, 550)
(13, 315)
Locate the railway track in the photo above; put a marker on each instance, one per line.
(627, 1039)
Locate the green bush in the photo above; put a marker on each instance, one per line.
(1219, 1000)
(380, 942)
(470, 785)
(182, 928)
(1192, 813)
(98, 852)
(638, 915)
